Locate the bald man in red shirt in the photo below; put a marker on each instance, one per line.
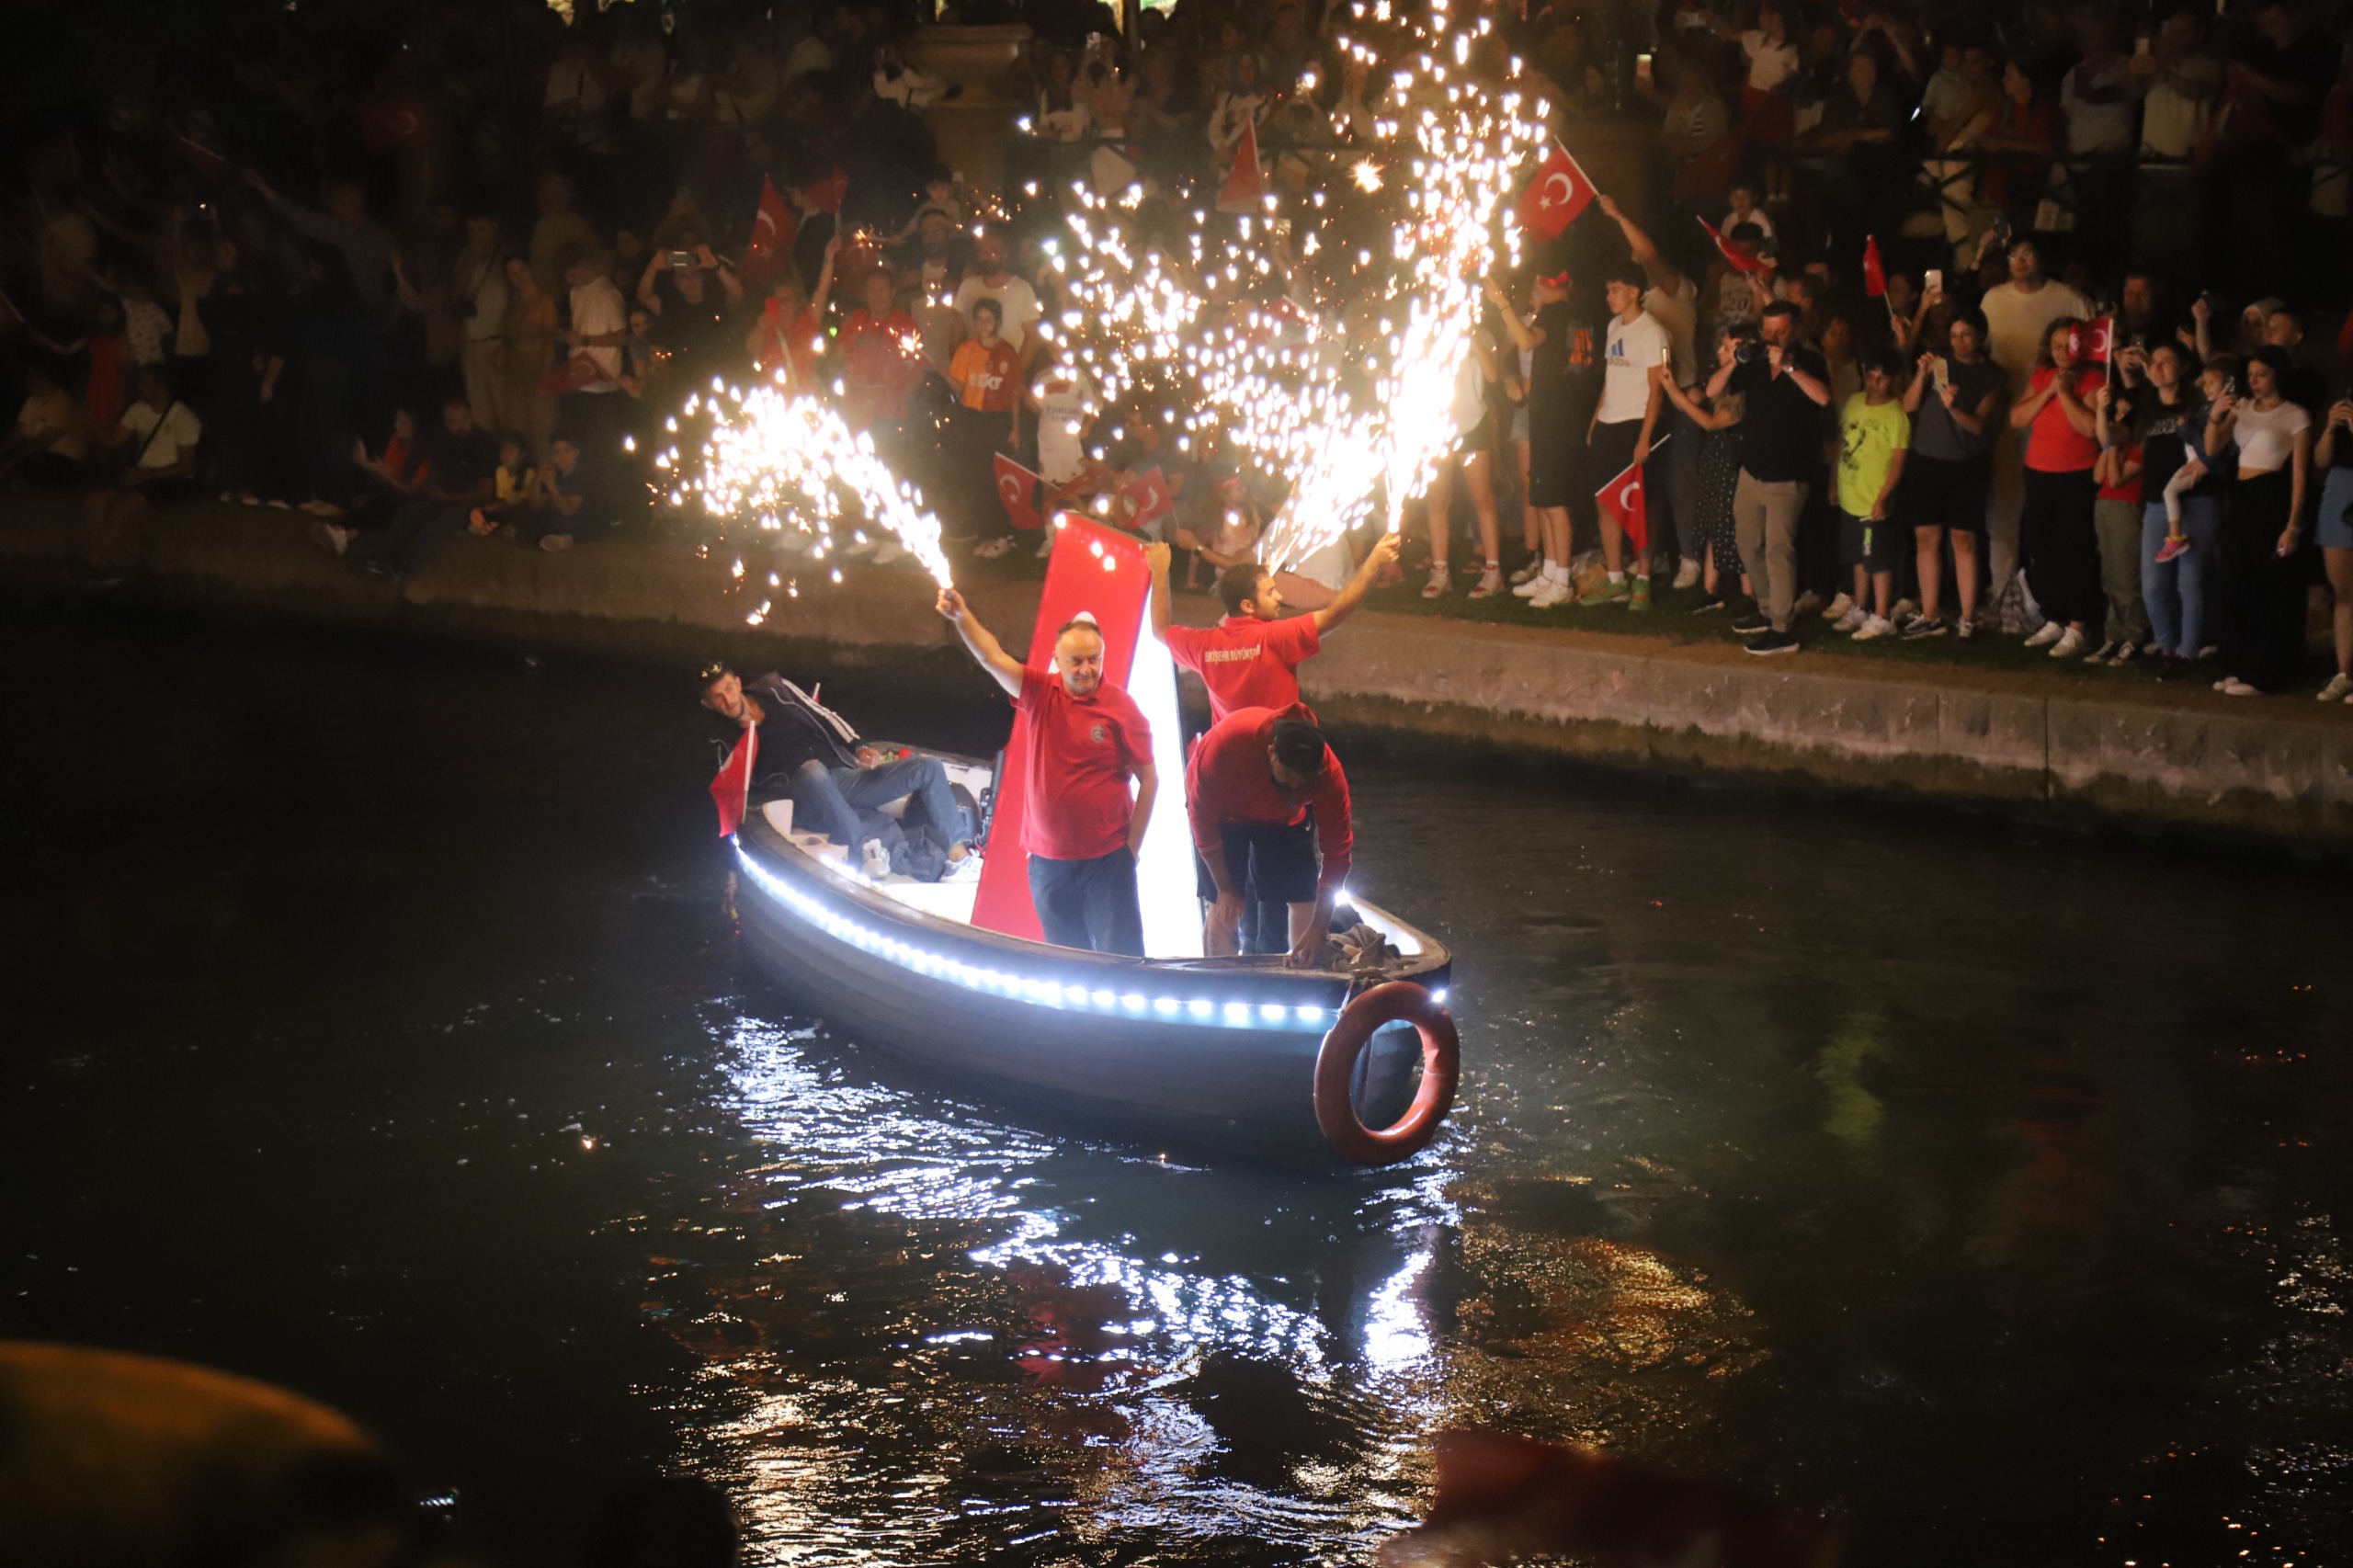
(1248, 788)
(1251, 658)
(1082, 828)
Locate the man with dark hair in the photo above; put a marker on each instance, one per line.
(460, 459)
(1636, 361)
(1249, 787)
(1251, 658)
(809, 753)
(1081, 827)
(1784, 387)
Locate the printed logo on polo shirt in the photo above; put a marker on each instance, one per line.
(1096, 733)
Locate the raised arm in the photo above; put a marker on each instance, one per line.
(1525, 335)
(1155, 555)
(981, 643)
(646, 295)
(1344, 604)
(1644, 254)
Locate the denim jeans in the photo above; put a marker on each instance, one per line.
(2174, 593)
(1089, 904)
(828, 800)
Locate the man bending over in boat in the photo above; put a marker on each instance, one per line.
(1251, 658)
(811, 754)
(1086, 740)
(1248, 787)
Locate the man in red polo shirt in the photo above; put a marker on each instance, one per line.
(1251, 659)
(1248, 787)
(1086, 740)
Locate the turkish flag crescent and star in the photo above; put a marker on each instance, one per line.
(1558, 193)
(1013, 488)
(1874, 270)
(1621, 500)
(1739, 263)
(773, 228)
(2094, 340)
(1148, 499)
(731, 787)
(1244, 189)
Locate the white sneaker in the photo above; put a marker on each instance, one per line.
(1439, 585)
(1850, 620)
(967, 869)
(1874, 626)
(2069, 644)
(1528, 586)
(990, 549)
(2237, 687)
(1686, 575)
(556, 544)
(1527, 572)
(2100, 654)
(2338, 689)
(1046, 546)
(2051, 632)
(1810, 603)
(1905, 609)
(876, 860)
(1551, 593)
(1490, 583)
(1839, 608)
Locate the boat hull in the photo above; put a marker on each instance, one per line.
(1202, 1053)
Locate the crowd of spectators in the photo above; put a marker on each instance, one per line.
(428, 270)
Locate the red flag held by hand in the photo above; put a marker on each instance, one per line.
(1148, 499)
(1742, 261)
(731, 787)
(1244, 189)
(1874, 271)
(1014, 484)
(1558, 193)
(2093, 340)
(773, 228)
(1621, 501)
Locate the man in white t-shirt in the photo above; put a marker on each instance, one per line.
(593, 407)
(993, 279)
(1672, 300)
(160, 433)
(1636, 358)
(2018, 315)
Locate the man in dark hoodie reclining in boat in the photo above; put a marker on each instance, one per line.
(809, 752)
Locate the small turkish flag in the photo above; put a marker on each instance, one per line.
(1621, 501)
(1148, 499)
(1244, 189)
(731, 787)
(773, 228)
(391, 122)
(1014, 485)
(1874, 270)
(825, 196)
(1558, 193)
(2094, 340)
(1741, 260)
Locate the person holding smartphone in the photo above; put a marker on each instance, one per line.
(1955, 400)
(2262, 582)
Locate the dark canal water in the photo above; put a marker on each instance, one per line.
(374, 1028)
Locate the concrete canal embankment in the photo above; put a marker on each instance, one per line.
(2133, 752)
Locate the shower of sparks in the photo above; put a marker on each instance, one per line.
(790, 464)
(1321, 335)
(1325, 345)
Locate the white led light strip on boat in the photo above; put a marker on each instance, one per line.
(1040, 992)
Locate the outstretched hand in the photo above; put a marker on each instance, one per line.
(1156, 556)
(951, 605)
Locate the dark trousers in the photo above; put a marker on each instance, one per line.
(2262, 595)
(1089, 904)
(411, 524)
(1274, 866)
(2061, 546)
(828, 800)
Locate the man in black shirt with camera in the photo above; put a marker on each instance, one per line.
(1785, 387)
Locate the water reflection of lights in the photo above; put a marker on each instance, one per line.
(1394, 1337)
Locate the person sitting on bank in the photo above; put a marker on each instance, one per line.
(1086, 740)
(161, 434)
(809, 753)
(1248, 788)
(581, 498)
(1251, 658)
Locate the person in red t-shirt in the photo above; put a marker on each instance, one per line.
(985, 371)
(2057, 538)
(1249, 785)
(1251, 659)
(881, 359)
(1086, 740)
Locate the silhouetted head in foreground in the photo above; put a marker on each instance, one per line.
(681, 1521)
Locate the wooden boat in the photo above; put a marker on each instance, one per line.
(1237, 1054)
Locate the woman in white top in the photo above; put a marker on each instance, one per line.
(2261, 585)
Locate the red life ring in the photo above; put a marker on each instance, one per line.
(1335, 1068)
